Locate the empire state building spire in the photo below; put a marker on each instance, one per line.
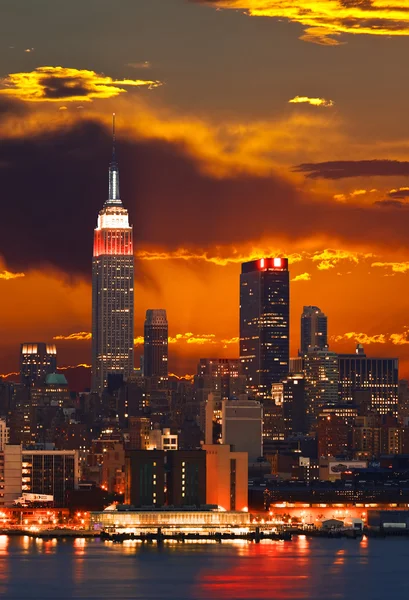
(112, 288)
(114, 198)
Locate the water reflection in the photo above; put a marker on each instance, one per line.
(305, 568)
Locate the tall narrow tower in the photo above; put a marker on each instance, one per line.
(112, 287)
(314, 329)
(156, 344)
(264, 323)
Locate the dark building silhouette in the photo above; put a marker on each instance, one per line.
(155, 363)
(37, 359)
(145, 478)
(264, 323)
(186, 478)
(314, 329)
(295, 404)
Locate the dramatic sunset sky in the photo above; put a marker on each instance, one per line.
(246, 128)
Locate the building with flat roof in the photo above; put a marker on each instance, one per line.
(226, 477)
(242, 426)
(155, 362)
(186, 478)
(51, 472)
(314, 329)
(37, 359)
(264, 323)
(378, 376)
(124, 518)
(145, 478)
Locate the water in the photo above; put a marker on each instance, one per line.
(312, 569)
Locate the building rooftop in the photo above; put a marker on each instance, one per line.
(56, 379)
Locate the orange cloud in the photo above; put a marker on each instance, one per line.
(328, 258)
(81, 335)
(7, 275)
(397, 267)
(398, 339)
(361, 338)
(232, 255)
(57, 84)
(302, 277)
(83, 365)
(312, 101)
(326, 19)
(181, 377)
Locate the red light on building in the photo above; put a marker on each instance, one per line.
(262, 263)
(277, 262)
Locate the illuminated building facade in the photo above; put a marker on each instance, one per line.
(379, 376)
(264, 323)
(112, 289)
(321, 380)
(222, 376)
(155, 362)
(131, 520)
(314, 328)
(226, 477)
(37, 360)
(332, 433)
(52, 472)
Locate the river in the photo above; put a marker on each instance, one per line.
(313, 569)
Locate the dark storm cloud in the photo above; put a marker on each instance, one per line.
(391, 204)
(53, 186)
(400, 193)
(11, 107)
(350, 168)
(63, 87)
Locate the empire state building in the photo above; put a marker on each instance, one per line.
(112, 287)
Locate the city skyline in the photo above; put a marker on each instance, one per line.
(296, 169)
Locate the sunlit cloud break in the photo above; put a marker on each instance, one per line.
(234, 257)
(61, 84)
(324, 20)
(312, 101)
(302, 277)
(396, 267)
(81, 335)
(188, 338)
(397, 339)
(7, 275)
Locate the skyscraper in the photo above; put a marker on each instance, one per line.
(264, 323)
(378, 377)
(321, 376)
(112, 287)
(37, 360)
(314, 329)
(155, 362)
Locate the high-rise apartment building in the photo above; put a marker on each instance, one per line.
(314, 329)
(321, 380)
(155, 362)
(295, 404)
(221, 376)
(37, 360)
(112, 288)
(264, 323)
(378, 376)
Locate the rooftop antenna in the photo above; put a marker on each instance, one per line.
(113, 139)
